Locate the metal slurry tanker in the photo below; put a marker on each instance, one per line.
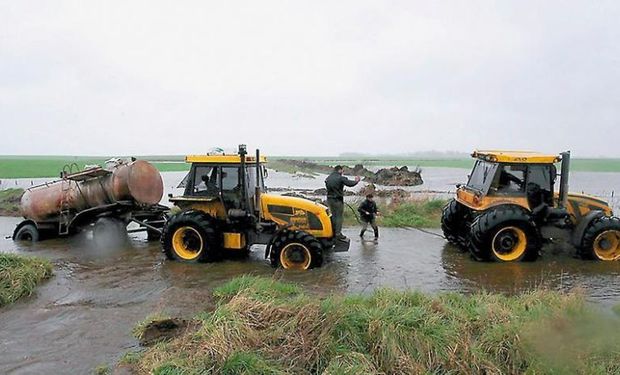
(105, 199)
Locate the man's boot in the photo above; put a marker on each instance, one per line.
(362, 232)
(377, 234)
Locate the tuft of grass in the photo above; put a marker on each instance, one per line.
(256, 331)
(20, 275)
(9, 201)
(102, 370)
(262, 288)
(425, 213)
(130, 358)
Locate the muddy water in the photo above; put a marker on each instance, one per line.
(83, 316)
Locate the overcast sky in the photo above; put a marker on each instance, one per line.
(309, 77)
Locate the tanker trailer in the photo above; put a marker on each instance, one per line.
(102, 199)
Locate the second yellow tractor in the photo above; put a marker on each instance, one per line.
(509, 208)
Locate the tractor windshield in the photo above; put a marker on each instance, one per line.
(482, 176)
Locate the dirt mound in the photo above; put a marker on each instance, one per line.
(391, 193)
(396, 177)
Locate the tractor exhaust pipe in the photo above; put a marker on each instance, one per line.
(244, 190)
(257, 189)
(565, 170)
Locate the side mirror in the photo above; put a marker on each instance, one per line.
(458, 186)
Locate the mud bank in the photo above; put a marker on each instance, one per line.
(9, 202)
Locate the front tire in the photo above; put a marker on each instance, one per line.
(191, 236)
(601, 240)
(296, 250)
(504, 234)
(455, 223)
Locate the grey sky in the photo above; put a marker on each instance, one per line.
(311, 77)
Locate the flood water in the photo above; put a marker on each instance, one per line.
(82, 317)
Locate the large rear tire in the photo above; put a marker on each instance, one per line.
(601, 240)
(455, 223)
(191, 236)
(504, 234)
(296, 250)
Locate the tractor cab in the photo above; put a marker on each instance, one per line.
(526, 178)
(222, 182)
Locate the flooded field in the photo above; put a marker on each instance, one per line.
(83, 316)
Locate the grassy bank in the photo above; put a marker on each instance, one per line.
(9, 202)
(261, 326)
(20, 275)
(424, 213)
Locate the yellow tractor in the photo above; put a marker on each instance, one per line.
(509, 208)
(224, 210)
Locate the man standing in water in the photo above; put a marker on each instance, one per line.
(335, 183)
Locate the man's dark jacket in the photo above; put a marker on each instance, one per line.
(335, 183)
(367, 210)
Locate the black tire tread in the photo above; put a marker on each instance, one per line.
(30, 228)
(287, 236)
(454, 224)
(203, 223)
(484, 224)
(586, 248)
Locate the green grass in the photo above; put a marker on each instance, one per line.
(425, 213)
(20, 275)
(261, 326)
(9, 201)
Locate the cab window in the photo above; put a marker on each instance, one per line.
(204, 181)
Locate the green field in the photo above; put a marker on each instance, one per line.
(50, 166)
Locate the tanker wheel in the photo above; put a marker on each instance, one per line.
(455, 223)
(601, 240)
(28, 232)
(296, 250)
(191, 236)
(504, 234)
(110, 232)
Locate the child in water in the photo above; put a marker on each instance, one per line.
(368, 212)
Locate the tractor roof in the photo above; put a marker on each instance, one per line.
(527, 157)
(222, 159)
